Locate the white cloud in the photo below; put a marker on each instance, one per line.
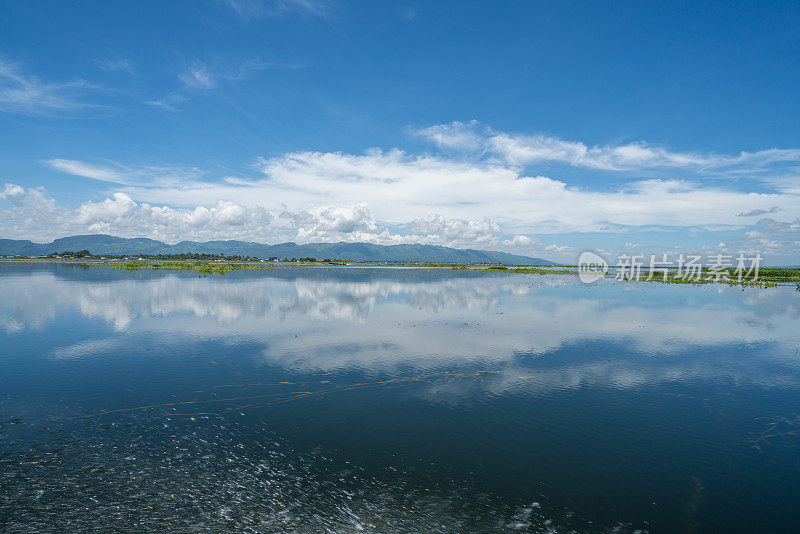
(455, 135)
(519, 241)
(356, 223)
(771, 238)
(399, 188)
(226, 218)
(332, 311)
(148, 176)
(21, 93)
(457, 233)
(37, 217)
(202, 76)
(120, 205)
(95, 172)
(390, 196)
(338, 223)
(115, 65)
(11, 191)
(32, 215)
(169, 102)
(518, 149)
(257, 9)
(346, 219)
(562, 250)
(198, 76)
(404, 187)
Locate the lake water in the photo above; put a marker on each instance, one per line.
(394, 400)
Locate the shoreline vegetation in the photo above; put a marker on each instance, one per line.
(200, 267)
(767, 276)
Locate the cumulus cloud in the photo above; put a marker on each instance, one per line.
(489, 202)
(35, 216)
(31, 214)
(770, 237)
(115, 208)
(338, 223)
(519, 241)
(226, 218)
(399, 188)
(458, 233)
(357, 223)
(11, 191)
(407, 187)
(346, 219)
(561, 250)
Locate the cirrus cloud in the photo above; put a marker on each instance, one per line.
(27, 94)
(521, 149)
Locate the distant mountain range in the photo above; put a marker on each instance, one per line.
(107, 244)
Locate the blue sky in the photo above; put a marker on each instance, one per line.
(541, 128)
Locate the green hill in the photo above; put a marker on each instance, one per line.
(106, 244)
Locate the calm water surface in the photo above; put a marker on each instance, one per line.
(394, 400)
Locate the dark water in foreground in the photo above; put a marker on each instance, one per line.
(378, 400)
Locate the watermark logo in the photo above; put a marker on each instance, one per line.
(591, 267)
(685, 268)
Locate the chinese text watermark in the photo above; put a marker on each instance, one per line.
(674, 267)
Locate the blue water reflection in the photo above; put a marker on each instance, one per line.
(395, 400)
